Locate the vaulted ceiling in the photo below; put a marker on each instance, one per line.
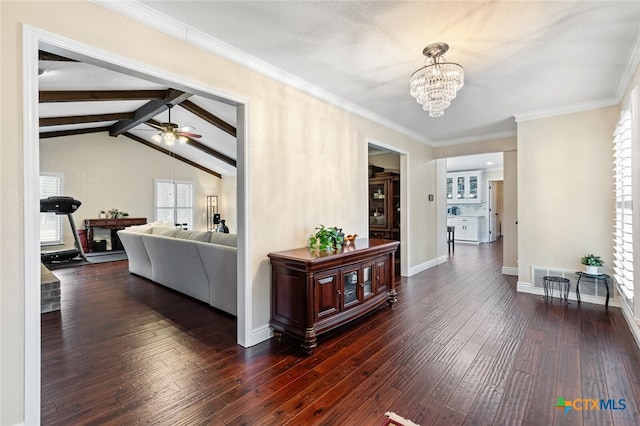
(78, 98)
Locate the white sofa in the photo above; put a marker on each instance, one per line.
(199, 264)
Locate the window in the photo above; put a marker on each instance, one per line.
(50, 223)
(174, 202)
(623, 231)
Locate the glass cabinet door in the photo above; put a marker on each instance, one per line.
(473, 187)
(461, 188)
(449, 188)
(350, 287)
(378, 214)
(367, 281)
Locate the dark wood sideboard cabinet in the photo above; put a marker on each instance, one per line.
(314, 292)
(112, 224)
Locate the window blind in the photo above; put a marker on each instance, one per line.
(50, 223)
(623, 230)
(174, 202)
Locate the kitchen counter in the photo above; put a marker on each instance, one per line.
(468, 228)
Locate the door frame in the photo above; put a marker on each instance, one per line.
(32, 39)
(404, 200)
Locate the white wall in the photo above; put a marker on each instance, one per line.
(565, 190)
(105, 172)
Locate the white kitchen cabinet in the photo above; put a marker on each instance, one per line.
(464, 187)
(467, 228)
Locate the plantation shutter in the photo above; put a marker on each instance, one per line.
(623, 231)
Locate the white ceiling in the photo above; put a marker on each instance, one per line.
(68, 76)
(521, 58)
(476, 162)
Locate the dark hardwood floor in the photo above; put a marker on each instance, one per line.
(460, 347)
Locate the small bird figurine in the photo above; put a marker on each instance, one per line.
(351, 238)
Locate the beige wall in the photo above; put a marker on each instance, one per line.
(228, 202)
(565, 190)
(105, 172)
(306, 161)
(480, 147)
(510, 213)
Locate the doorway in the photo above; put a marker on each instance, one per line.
(33, 41)
(475, 197)
(385, 188)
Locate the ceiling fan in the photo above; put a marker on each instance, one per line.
(170, 132)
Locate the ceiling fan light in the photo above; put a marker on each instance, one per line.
(183, 139)
(157, 138)
(169, 139)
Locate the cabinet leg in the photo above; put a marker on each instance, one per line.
(393, 297)
(278, 335)
(310, 340)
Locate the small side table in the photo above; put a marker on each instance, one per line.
(563, 287)
(596, 278)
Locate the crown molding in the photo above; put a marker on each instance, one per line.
(476, 138)
(568, 109)
(173, 28)
(633, 62)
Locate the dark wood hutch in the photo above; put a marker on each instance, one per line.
(384, 209)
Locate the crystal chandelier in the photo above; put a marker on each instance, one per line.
(436, 84)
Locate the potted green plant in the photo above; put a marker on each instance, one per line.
(326, 239)
(592, 263)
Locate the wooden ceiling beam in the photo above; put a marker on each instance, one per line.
(47, 56)
(148, 110)
(206, 149)
(209, 117)
(47, 96)
(77, 119)
(60, 133)
(171, 154)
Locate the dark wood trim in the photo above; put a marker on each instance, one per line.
(47, 96)
(147, 111)
(209, 117)
(60, 133)
(171, 154)
(77, 119)
(48, 56)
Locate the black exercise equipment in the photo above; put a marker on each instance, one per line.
(67, 206)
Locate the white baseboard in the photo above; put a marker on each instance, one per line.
(510, 270)
(632, 323)
(260, 334)
(426, 265)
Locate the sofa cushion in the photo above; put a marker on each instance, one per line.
(164, 231)
(142, 229)
(182, 234)
(223, 239)
(202, 236)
